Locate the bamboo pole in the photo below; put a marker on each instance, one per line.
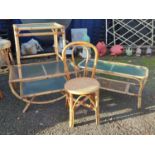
(71, 111)
(37, 55)
(139, 105)
(18, 55)
(42, 26)
(56, 44)
(63, 37)
(97, 110)
(38, 34)
(42, 77)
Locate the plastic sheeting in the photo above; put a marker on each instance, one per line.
(96, 29)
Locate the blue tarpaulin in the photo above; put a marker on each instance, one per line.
(96, 29)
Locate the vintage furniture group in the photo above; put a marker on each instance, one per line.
(32, 81)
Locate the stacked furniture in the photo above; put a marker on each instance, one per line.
(30, 80)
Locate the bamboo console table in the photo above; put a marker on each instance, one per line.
(120, 77)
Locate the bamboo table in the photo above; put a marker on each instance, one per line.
(32, 80)
(120, 77)
(38, 79)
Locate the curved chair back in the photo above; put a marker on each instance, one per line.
(87, 47)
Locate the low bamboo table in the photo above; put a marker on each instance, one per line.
(86, 89)
(5, 46)
(120, 77)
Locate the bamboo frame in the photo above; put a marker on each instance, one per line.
(77, 44)
(49, 29)
(141, 80)
(91, 95)
(39, 26)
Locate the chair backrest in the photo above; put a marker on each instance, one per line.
(77, 70)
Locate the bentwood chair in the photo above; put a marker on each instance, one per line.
(82, 89)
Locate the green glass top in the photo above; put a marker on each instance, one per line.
(39, 86)
(117, 68)
(41, 70)
(39, 25)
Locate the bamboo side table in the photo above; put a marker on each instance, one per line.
(86, 89)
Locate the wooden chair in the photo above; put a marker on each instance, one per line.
(82, 89)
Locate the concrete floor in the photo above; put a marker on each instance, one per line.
(118, 115)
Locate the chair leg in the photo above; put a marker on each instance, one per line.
(71, 111)
(67, 101)
(139, 102)
(97, 109)
(139, 105)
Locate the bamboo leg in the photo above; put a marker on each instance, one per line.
(97, 111)
(27, 105)
(71, 111)
(139, 105)
(18, 56)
